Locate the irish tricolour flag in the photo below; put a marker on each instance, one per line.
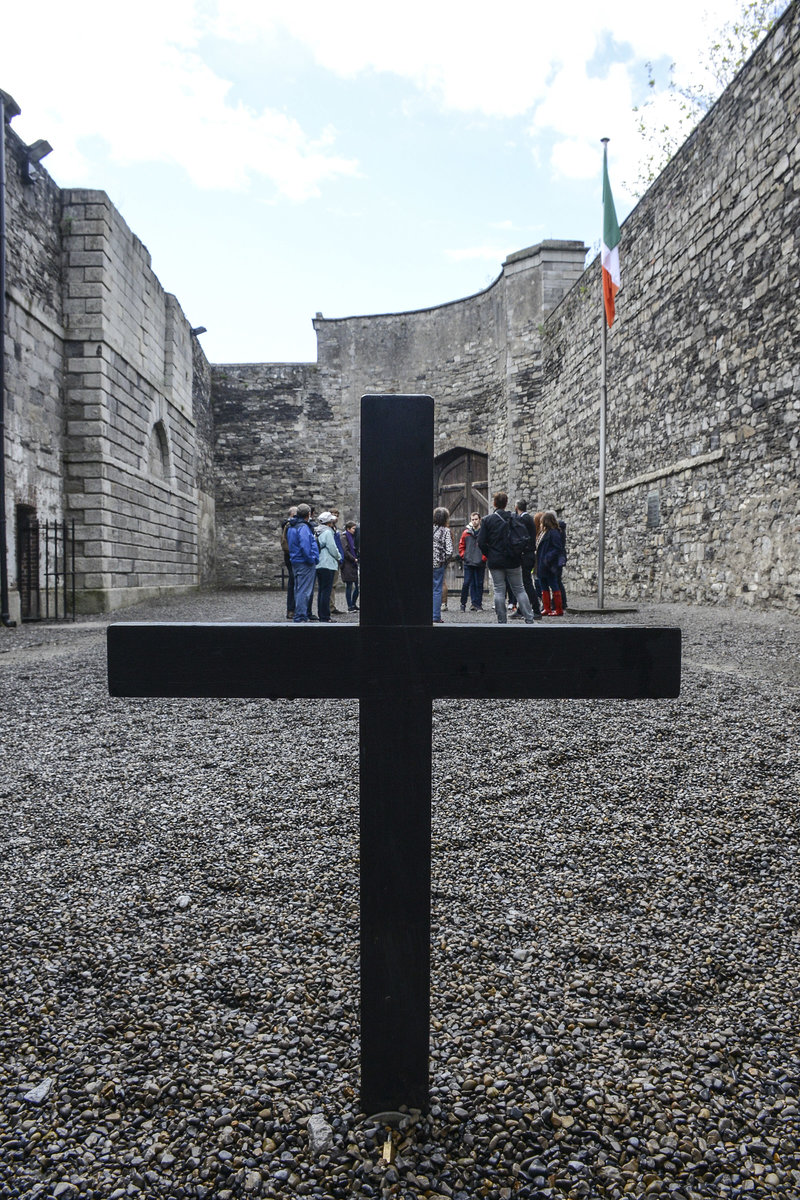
(609, 247)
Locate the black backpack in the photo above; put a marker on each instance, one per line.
(516, 537)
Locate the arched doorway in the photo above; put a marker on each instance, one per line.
(460, 484)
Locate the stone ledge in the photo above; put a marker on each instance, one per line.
(685, 464)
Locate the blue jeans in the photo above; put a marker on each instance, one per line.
(438, 582)
(304, 576)
(513, 577)
(473, 584)
(550, 581)
(290, 591)
(324, 588)
(351, 592)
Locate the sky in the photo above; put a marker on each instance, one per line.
(283, 158)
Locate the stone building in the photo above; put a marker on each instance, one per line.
(177, 474)
(107, 405)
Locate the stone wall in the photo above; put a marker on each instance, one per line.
(291, 433)
(278, 441)
(178, 475)
(34, 353)
(130, 452)
(109, 417)
(704, 400)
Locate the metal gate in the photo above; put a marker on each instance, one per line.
(46, 568)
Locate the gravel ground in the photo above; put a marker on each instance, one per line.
(615, 938)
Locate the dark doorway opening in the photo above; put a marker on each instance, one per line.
(45, 566)
(28, 562)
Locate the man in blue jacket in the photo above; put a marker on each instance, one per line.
(304, 556)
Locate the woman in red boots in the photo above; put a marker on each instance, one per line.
(549, 547)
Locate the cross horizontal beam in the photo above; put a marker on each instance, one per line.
(320, 662)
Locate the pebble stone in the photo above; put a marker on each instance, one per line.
(614, 939)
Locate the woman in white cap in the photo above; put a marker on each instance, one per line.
(328, 565)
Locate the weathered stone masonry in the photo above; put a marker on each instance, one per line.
(704, 399)
(478, 357)
(108, 404)
(110, 418)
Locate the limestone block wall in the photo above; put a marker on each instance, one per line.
(131, 444)
(33, 352)
(704, 399)
(455, 353)
(278, 441)
(286, 433)
(478, 357)
(204, 465)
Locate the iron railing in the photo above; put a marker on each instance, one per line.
(46, 559)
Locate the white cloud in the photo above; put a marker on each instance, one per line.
(501, 66)
(136, 79)
(141, 87)
(525, 59)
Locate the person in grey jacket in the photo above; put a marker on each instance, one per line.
(474, 562)
(329, 560)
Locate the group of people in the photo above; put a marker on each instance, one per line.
(525, 554)
(316, 554)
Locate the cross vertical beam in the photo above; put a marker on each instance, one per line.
(395, 758)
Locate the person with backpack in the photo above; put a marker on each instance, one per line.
(504, 539)
(529, 559)
(549, 549)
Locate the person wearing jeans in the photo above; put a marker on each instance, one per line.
(504, 568)
(474, 565)
(304, 556)
(328, 565)
(442, 553)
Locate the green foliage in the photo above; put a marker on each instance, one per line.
(666, 119)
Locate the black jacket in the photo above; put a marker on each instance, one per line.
(490, 540)
(529, 559)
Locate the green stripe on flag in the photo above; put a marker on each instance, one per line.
(610, 223)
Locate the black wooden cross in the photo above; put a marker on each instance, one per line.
(396, 662)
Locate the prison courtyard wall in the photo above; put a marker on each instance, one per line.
(703, 401)
(107, 398)
(286, 433)
(703, 386)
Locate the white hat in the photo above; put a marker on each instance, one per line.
(326, 518)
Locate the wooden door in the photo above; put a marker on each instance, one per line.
(460, 484)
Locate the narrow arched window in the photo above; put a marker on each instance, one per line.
(158, 451)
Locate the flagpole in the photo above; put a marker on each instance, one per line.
(601, 547)
(602, 481)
